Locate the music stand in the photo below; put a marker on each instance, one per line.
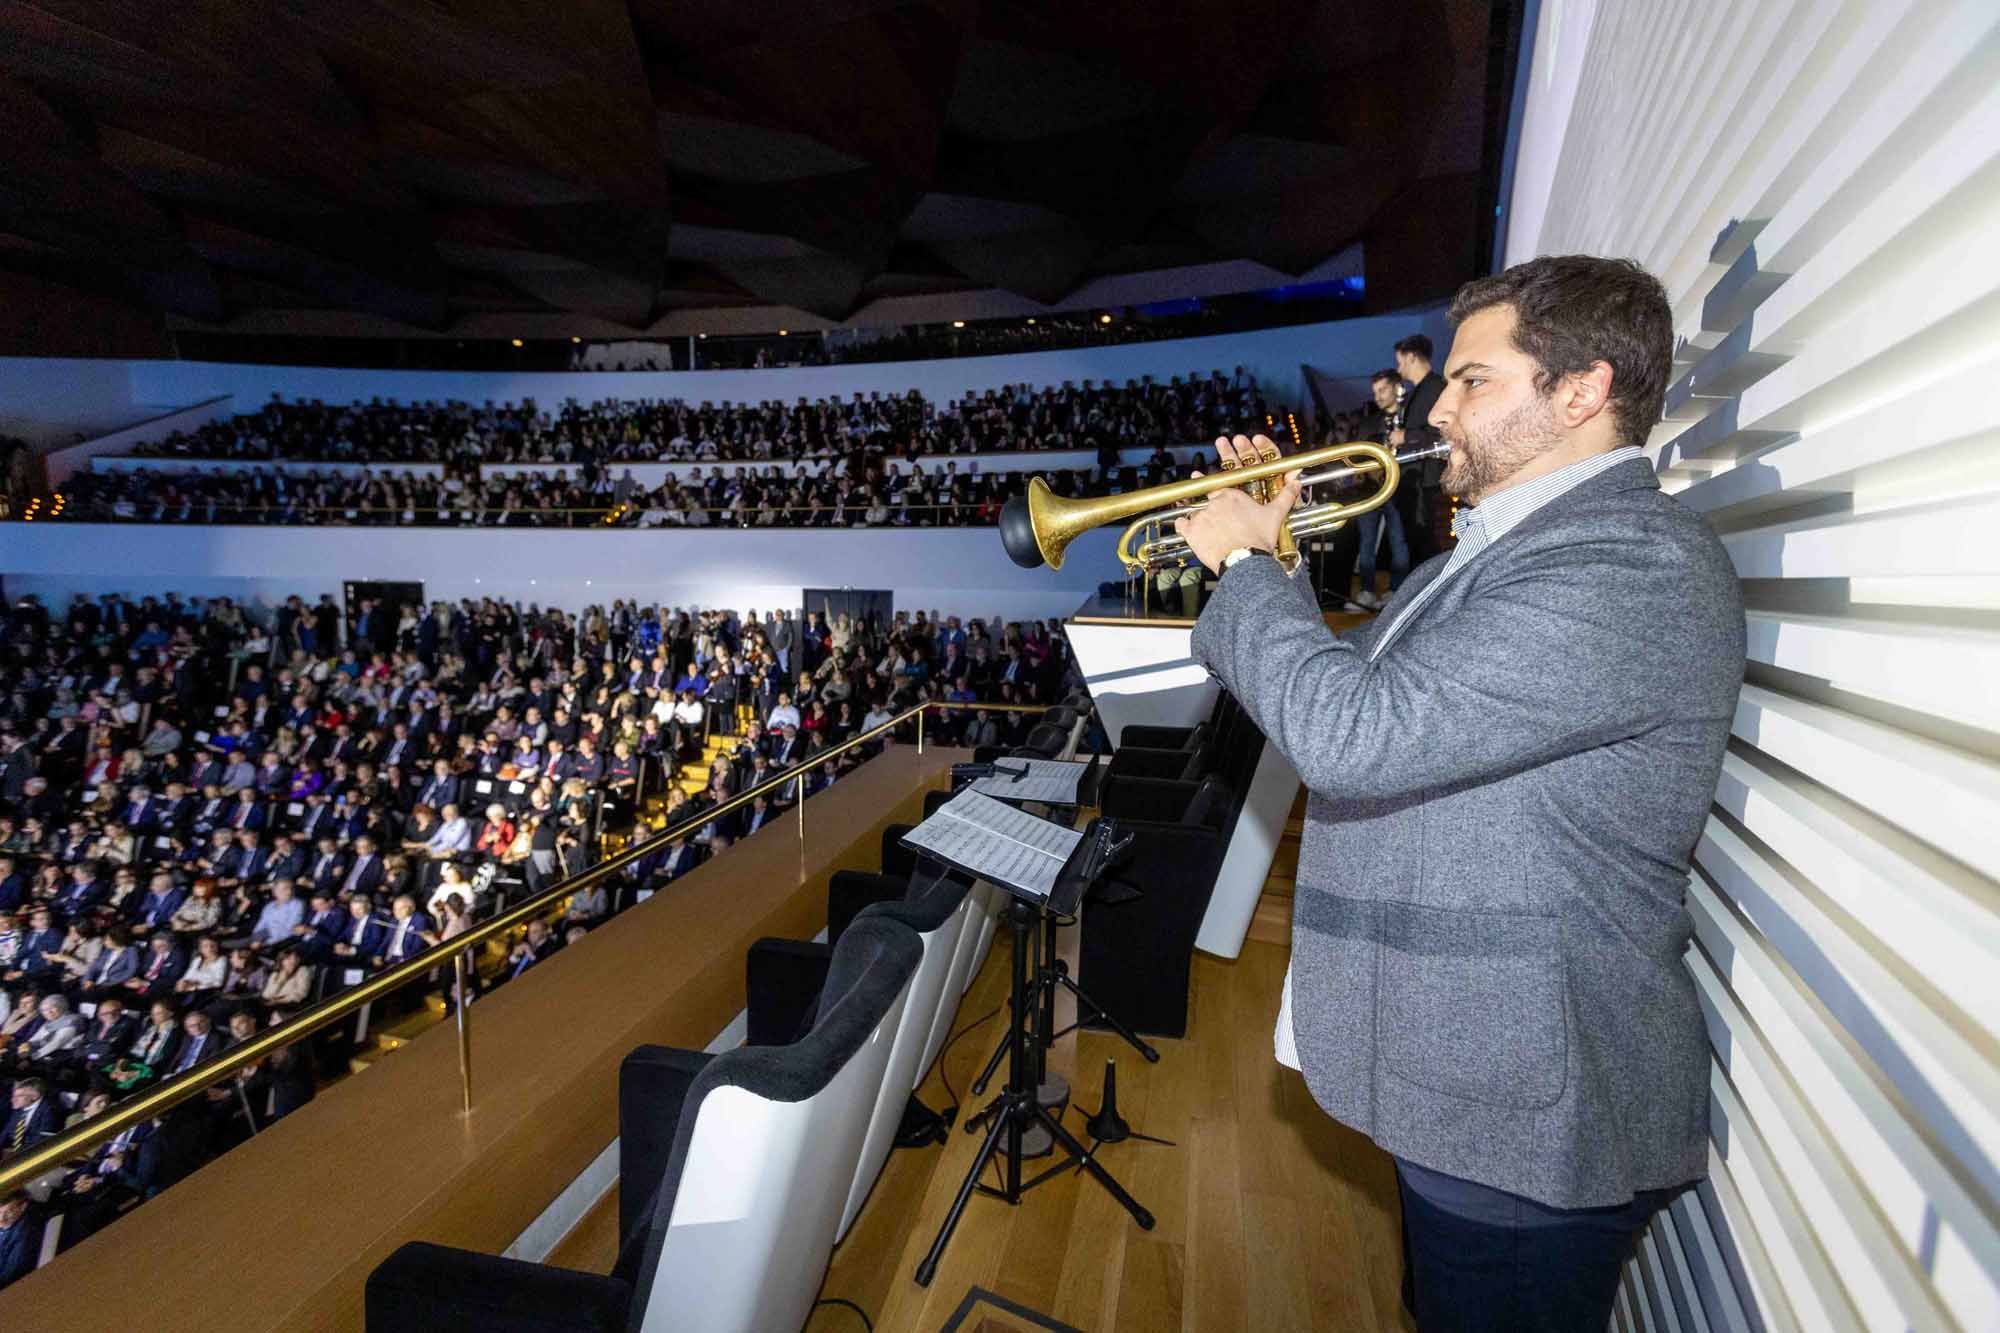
(1051, 972)
(1042, 869)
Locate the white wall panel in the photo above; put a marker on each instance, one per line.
(1820, 195)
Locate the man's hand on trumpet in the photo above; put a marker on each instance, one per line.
(1230, 519)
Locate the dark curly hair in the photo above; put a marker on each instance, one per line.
(1572, 311)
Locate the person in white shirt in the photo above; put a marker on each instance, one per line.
(450, 881)
(688, 712)
(783, 714)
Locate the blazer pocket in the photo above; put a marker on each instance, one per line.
(1473, 1004)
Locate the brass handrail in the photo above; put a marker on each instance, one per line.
(171, 1092)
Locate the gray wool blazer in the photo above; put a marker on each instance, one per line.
(1486, 951)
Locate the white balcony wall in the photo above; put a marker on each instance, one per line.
(1818, 185)
(957, 571)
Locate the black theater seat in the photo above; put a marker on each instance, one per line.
(734, 1173)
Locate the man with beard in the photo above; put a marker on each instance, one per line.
(1508, 770)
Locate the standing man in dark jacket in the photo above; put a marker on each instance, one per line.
(1422, 503)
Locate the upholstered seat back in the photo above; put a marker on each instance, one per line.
(765, 1153)
(938, 913)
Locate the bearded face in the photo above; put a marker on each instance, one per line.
(1483, 456)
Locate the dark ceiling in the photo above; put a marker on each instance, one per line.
(429, 163)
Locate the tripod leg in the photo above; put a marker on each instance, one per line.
(1110, 1020)
(928, 1268)
(1068, 1142)
(986, 1074)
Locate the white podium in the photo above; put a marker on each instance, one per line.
(1140, 671)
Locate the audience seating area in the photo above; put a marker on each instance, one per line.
(208, 822)
(740, 1172)
(805, 464)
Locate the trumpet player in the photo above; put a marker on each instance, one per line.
(1508, 770)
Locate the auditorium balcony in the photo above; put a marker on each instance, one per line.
(495, 1138)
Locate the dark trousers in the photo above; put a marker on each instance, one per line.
(1545, 1277)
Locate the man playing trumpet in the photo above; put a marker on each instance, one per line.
(1508, 769)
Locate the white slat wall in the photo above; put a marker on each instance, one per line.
(1818, 185)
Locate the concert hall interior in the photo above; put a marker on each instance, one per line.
(999, 665)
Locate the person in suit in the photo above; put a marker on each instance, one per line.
(441, 789)
(1422, 502)
(681, 856)
(287, 861)
(538, 943)
(364, 874)
(20, 1237)
(199, 1041)
(313, 938)
(363, 937)
(247, 814)
(91, 1195)
(43, 938)
(84, 891)
(116, 963)
(165, 961)
(32, 1117)
(163, 898)
(328, 866)
(403, 935)
(110, 1034)
(759, 814)
(1521, 750)
(246, 864)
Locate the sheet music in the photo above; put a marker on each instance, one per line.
(997, 841)
(1050, 781)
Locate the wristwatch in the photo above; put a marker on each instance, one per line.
(1240, 553)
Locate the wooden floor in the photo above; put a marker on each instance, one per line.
(1270, 1216)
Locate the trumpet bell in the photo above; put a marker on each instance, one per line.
(1018, 528)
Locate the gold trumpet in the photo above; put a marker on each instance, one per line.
(1038, 528)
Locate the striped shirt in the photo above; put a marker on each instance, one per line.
(1496, 516)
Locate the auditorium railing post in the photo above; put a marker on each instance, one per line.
(462, 993)
(920, 729)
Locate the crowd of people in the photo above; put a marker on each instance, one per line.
(1072, 415)
(826, 463)
(211, 816)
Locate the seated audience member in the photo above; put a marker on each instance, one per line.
(199, 1041)
(20, 1238)
(152, 1049)
(279, 918)
(313, 938)
(162, 967)
(205, 975)
(32, 1117)
(110, 1035)
(290, 982)
(244, 982)
(199, 912)
(538, 943)
(403, 938)
(361, 938)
